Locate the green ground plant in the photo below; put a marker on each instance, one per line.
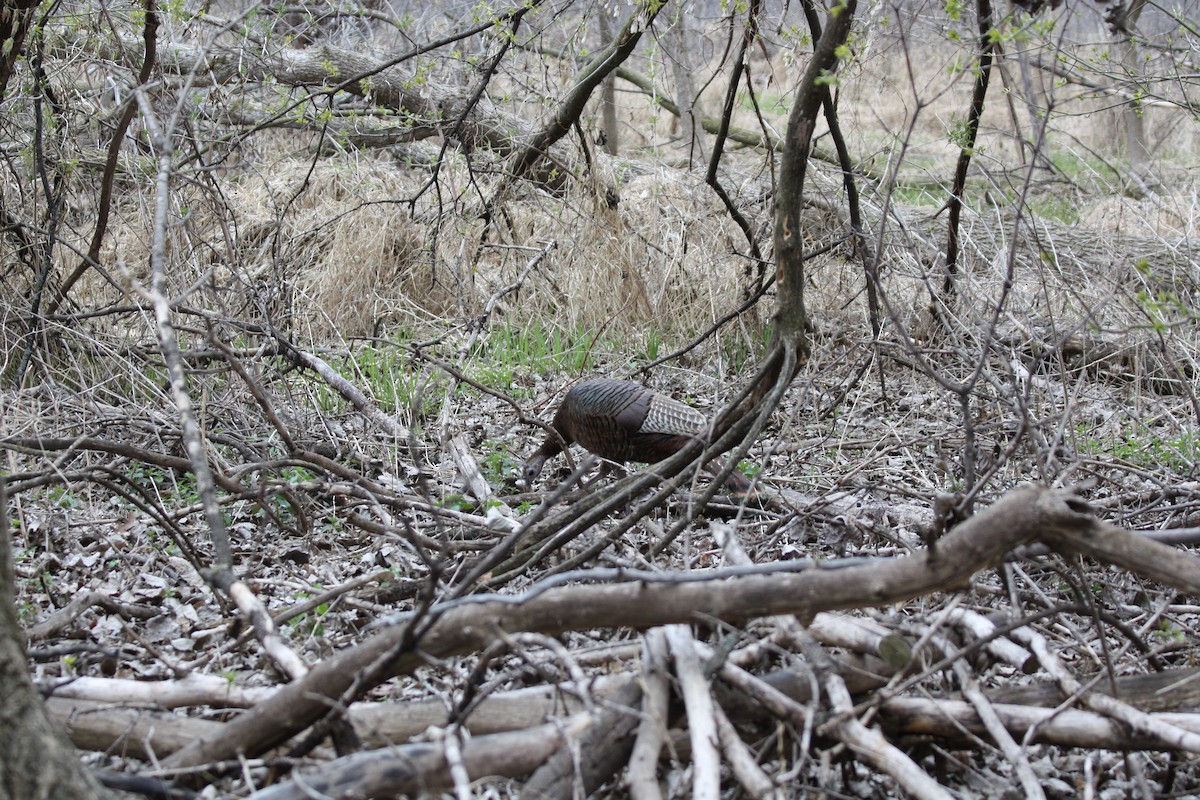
(1142, 447)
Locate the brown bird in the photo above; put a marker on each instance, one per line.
(624, 421)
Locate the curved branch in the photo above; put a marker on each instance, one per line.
(983, 76)
(853, 206)
(790, 317)
(710, 177)
(104, 206)
(593, 74)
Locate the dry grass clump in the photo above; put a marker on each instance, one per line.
(1174, 215)
(347, 246)
(328, 249)
(337, 250)
(665, 257)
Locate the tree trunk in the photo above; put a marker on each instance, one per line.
(1132, 113)
(691, 111)
(791, 319)
(608, 94)
(38, 761)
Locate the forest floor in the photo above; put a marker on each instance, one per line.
(859, 460)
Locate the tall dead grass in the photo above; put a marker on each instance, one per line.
(355, 244)
(362, 259)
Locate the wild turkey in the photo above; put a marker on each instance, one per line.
(624, 421)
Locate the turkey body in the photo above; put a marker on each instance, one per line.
(624, 421)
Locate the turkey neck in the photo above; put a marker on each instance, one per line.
(552, 447)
